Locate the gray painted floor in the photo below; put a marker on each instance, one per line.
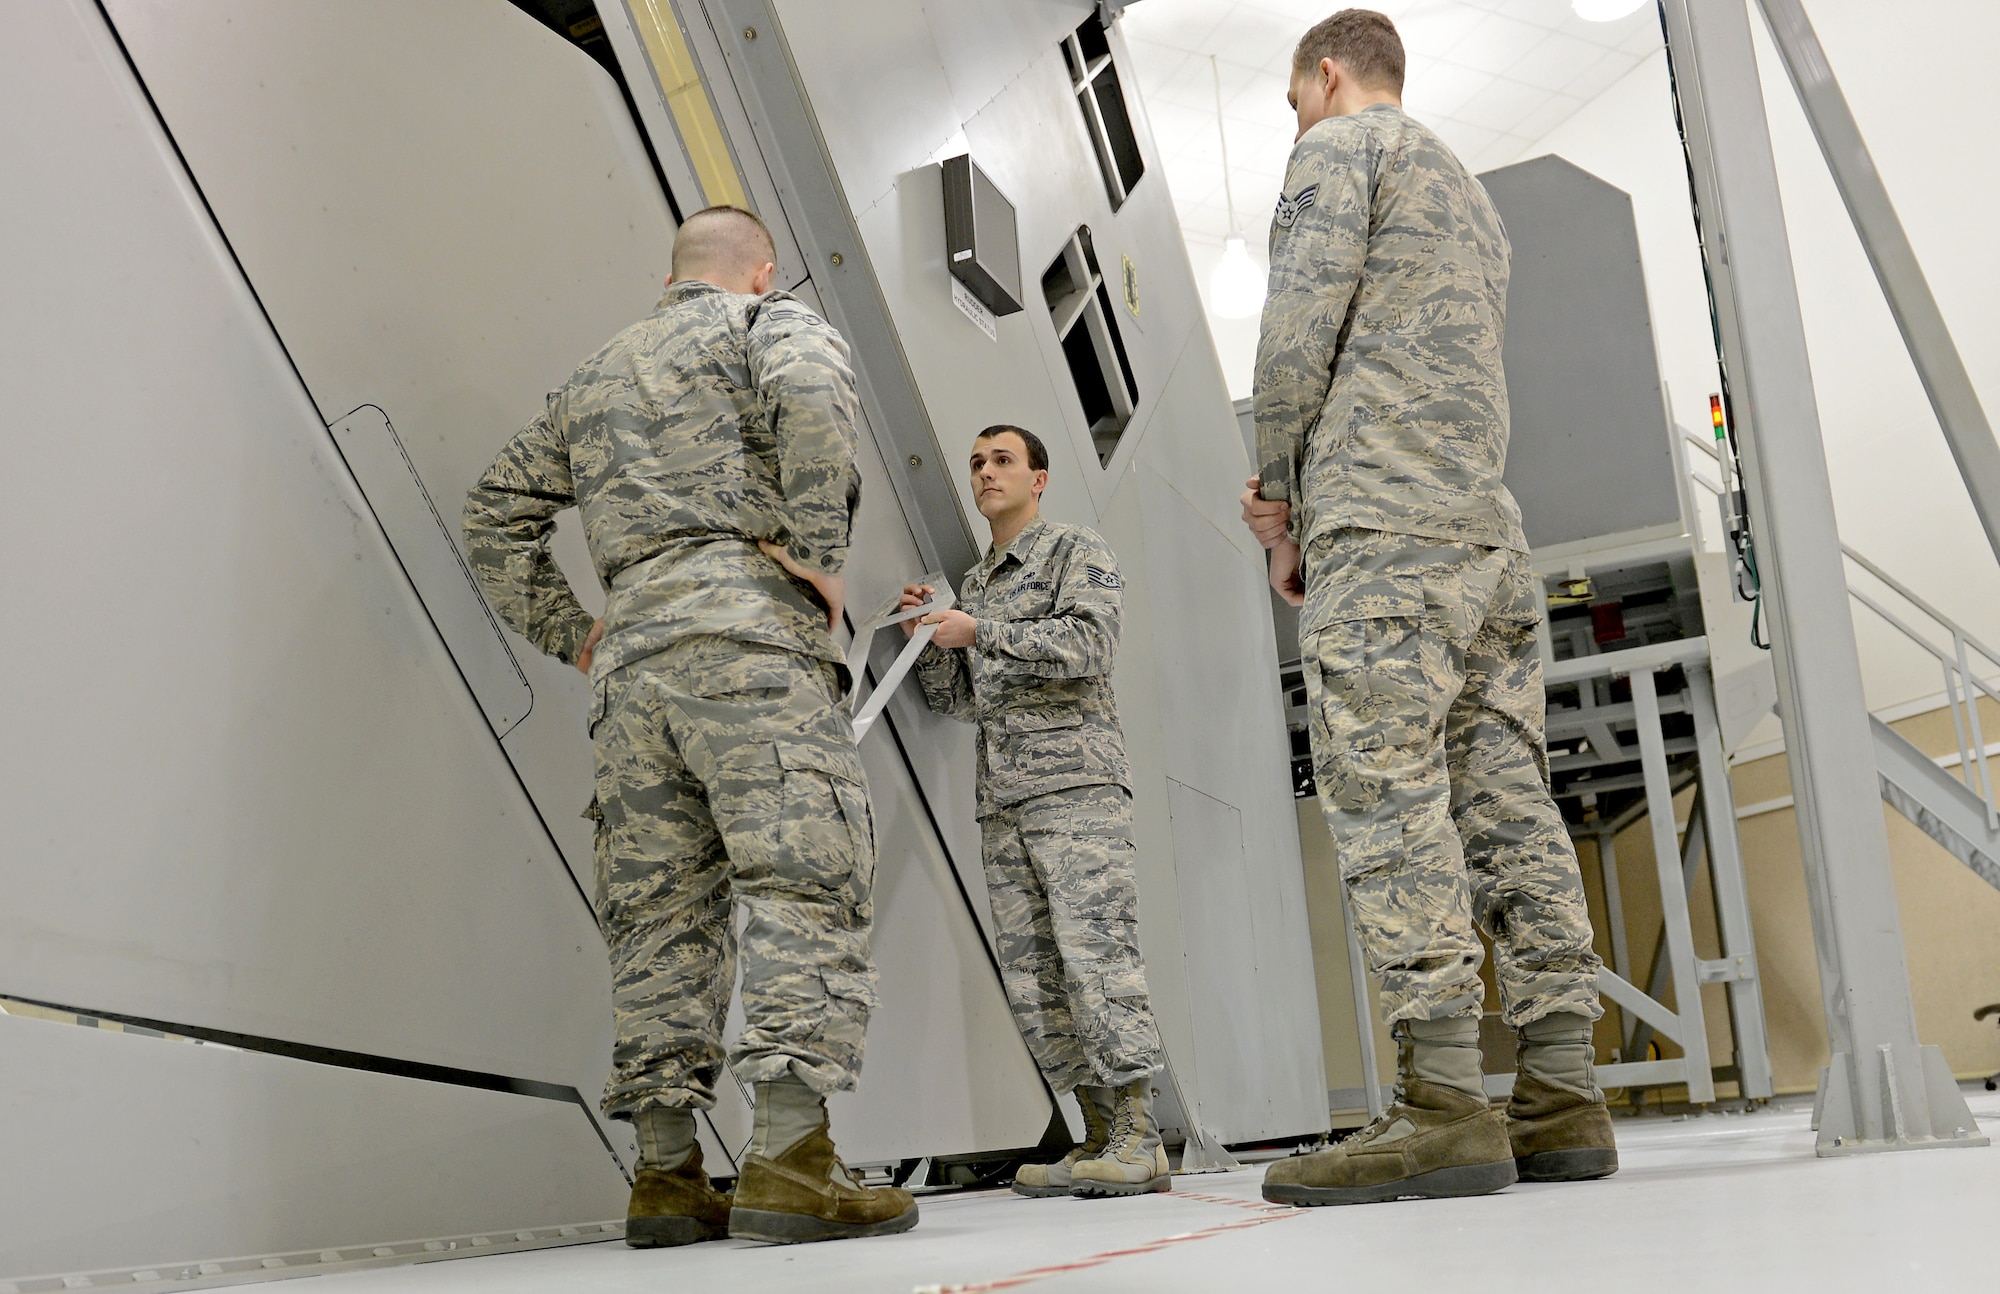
(1722, 1198)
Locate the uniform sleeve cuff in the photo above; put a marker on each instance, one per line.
(986, 635)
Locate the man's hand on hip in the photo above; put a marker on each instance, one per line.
(1285, 576)
(954, 628)
(590, 641)
(832, 589)
(1268, 519)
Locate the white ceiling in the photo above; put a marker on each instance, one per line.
(1490, 76)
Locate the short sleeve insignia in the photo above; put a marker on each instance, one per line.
(1290, 207)
(1103, 578)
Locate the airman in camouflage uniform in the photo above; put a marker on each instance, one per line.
(1381, 412)
(710, 449)
(1040, 614)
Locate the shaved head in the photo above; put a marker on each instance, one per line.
(726, 246)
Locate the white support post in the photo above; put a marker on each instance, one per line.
(1614, 916)
(1732, 894)
(1883, 1090)
(1364, 1010)
(1679, 931)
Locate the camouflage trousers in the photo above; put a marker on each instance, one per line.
(1065, 918)
(727, 783)
(1427, 715)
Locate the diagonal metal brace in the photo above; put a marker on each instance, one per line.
(866, 712)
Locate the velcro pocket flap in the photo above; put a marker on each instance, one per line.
(1040, 720)
(1385, 597)
(849, 986)
(1126, 981)
(843, 764)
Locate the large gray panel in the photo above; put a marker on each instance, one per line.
(242, 785)
(447, 245)
(429, 555)
(1591, 452)
(130, 1151)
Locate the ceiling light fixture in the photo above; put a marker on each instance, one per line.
(1236, 289)
(1605, 10)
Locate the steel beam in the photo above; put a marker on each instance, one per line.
(1918, 318)
(1679, 934)
(1731, 890)
(1880, 1092)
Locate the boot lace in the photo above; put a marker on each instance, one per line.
(1124, 1130)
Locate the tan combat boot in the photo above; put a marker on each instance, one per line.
(1040, 1181)
(1133, 1161)
(1435, 1142)
(1557, 1119)
(805, 1193)
(677, 1206)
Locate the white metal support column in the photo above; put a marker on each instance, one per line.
(1883, 1090)
(1673, 888)
(1732, 894)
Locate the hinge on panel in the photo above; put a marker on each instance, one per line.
(1726, 970)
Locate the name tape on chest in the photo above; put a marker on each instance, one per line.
(1290, 207)
(1103, 578)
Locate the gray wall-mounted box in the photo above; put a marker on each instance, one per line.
(981, 245)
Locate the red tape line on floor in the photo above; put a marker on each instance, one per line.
(1265, 1213)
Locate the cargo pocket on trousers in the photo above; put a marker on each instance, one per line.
(826, 828)
(850, 998)
(1366, 671)
(1128, 1015)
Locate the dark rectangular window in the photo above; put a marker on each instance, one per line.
(1080, 306)
(1094, 77)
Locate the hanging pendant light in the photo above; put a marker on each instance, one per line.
(1236, 289)
(1605, 10)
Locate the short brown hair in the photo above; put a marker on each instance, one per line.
(1038, 453)
(1360, 40)
(722, 238)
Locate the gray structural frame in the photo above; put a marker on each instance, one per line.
(1883, 1089)
(1939, 365)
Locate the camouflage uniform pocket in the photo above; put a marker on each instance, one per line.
(1126, 981)
(850, 999)
(1039, 743)
(1368, 688)
(826, 823)
(600, 695)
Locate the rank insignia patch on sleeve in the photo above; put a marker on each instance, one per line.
(1100, 576)
(1289, 208)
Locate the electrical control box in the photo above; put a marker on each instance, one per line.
(981, 244)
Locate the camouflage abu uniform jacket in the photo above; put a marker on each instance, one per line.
(1380, 401)
(716, 421)
(1037, 679)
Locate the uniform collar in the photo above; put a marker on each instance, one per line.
(685, 290)
(1021, 548)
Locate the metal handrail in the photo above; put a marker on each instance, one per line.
(1904, 592)
(1962, 685)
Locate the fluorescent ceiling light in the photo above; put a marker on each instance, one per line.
(1236, 289)
(1605, 10)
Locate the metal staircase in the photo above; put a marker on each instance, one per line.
(1959, 812)
(1941, 806)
